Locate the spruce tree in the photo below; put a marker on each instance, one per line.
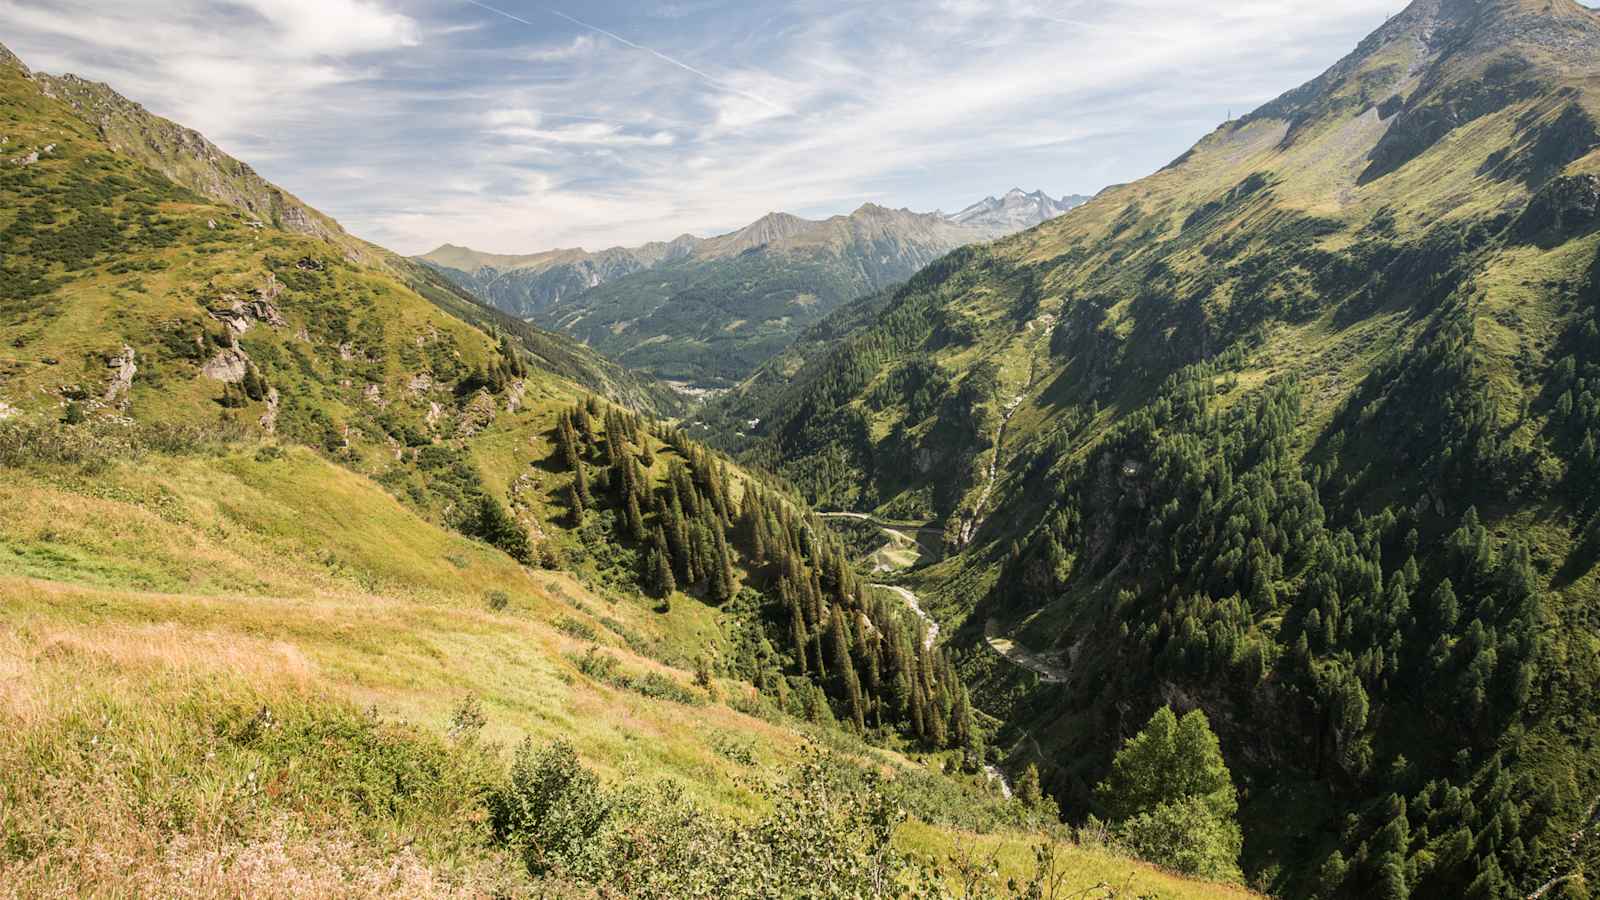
(1028, 789)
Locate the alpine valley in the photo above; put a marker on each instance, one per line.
(1233, 532)
(1299, 431)
(707, 312)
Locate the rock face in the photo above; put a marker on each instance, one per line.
(269, 419)
(228, 366)
(1563, 208)
(239, 314)
(478, 415)
(122, 371)
(514, 395)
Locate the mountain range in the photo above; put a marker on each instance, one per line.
(1245, 519)
(1299, 431)
(320, 578)
(705, 312)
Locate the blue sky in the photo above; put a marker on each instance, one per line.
(596, 123)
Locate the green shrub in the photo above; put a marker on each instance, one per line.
(550, 812)
(577, 628)
(497, 600)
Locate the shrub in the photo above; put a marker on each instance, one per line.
(497, 600)
(577, 628)
(550, 811)
(467, 720)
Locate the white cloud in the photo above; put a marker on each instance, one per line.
(423, 121)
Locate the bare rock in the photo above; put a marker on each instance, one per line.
(122, 371)
(1565, 207)
(514, 395)
(6, 411)
(435, 413)
(374, 395)
(269, 419)
(421, 383)
(478, 415)
(228, 366)
(239, 314)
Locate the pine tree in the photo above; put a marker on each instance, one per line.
(635, 519)
(1028, 789)
(575, 503)
(844, 668)
(723, 576)
(580, 484)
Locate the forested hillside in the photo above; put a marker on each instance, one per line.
(1299, 431)
(319, 579)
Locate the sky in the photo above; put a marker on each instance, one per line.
(512, 126)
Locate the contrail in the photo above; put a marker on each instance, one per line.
(704, 76)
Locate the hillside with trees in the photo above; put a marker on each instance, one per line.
(1296, 432)
(320, 579)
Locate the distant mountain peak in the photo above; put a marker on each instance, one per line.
(1014, 211)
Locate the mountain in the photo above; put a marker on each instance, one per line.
(1299, 431)
(318, 574)
(1016, 211)
(188, 159)
(705, 312)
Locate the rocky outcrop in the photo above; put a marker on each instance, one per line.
(269, 419)
(373, 394)
(6, 409)
(421, 383)
(514, 395)
(228, 366)
(122, 371)
(239, 314)
(1562, 209)
(478, 415)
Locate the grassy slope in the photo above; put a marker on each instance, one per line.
(232, 671)
(155, 599)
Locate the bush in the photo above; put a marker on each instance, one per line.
(550, 812)
(96, 442)
(497, 600)
(577, 628)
